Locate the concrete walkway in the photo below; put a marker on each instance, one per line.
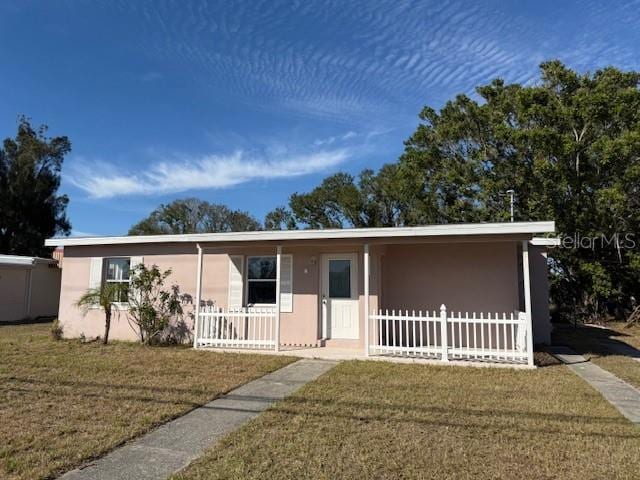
(172, 446)
(620, 394)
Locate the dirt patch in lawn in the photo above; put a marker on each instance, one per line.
(542, 358)
(63, 403)
(388, 421)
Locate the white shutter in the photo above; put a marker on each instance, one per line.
(286, 283)
(134, 262)
(95, 273)
(236, 269)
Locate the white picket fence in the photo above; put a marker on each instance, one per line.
(252, 327)
(450, 336)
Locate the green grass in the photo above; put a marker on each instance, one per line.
(596, 344)
(387, 421)
(63, 403)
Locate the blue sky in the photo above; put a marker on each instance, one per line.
(244, 103)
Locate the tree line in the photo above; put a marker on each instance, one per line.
(568, 145)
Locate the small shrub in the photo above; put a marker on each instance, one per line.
(56, 330)
(152, 307)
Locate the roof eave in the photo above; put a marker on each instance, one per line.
(510, 228)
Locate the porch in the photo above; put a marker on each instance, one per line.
(407, 330)
(430, 337)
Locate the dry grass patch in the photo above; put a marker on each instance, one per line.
(599, 345)
(388, 421)
(62, 403)
(625, 332)
(624, 368)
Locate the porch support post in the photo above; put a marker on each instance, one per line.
(527, 300)
(366, 299)
(196, 321)
(277, 332)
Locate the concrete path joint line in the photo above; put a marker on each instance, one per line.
(172, 446)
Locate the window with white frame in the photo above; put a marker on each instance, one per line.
(261, 280)
(117, 271)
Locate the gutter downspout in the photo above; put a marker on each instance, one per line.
(196, 321)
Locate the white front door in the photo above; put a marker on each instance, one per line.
(340, 296)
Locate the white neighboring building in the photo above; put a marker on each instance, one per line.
(29, 287)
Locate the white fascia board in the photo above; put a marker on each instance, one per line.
(510, 228)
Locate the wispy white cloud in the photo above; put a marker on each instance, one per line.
(396, 57)
(335, 138)
(103, 180)
(349, 135)
(345, 70)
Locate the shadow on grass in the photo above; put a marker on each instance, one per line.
(111, 391)
(108, 386)
(392, 408)
(310, 405)
(470, 420)
(59, 393)
(588, 339)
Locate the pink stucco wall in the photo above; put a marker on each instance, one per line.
(75, 281)
(480, 276)
(473, 277)
(300, 327)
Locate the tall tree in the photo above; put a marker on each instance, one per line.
(280, 218)
(370, 200)
(336, 201)
(570, 148)
(191, 215)
(30, 209)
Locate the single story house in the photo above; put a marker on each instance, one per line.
(459, 291)
(29, 288)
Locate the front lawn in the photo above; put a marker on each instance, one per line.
(387, 421)
(598, 345)
(62, 403)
